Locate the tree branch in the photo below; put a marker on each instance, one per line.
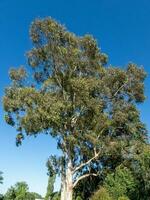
(120, 88)
(82, 177)
(86, 163)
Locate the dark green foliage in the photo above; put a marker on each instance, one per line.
(140, 166)
(86, 186)
(1, 197)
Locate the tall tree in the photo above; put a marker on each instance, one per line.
(90, 109)
(50, 188)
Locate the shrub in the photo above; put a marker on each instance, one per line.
(123, 198)
(101, 194)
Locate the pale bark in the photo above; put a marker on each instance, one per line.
(86, 163)
(63, 187)
(82, 177)
(67, 183)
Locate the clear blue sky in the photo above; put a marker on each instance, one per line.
(122, 29)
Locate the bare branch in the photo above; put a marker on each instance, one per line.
(82, 177)
(101, 133)
(120, 88)
(86, 163)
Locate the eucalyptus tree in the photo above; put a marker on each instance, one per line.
(68, 92)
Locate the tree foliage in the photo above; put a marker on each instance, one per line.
(120, 183)
(50, 188)
(139, 163)
(130, 180)
(101, 194)
(20, 192)
(88, 107)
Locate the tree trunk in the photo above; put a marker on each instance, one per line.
(67, 184)
(69, 181)
(63, 187)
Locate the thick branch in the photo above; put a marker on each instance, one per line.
(86, 163)
(82, 177)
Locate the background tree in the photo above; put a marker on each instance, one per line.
(10, 194)
(51, 180)
(1, 177)
(1, 181)
(20, 192)
(33, 196)
(50, 188)
(90, 109)
(1, 197)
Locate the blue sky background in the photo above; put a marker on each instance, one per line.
(122, 29)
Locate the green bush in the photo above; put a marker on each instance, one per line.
(123, 198)
(101, 194)
(78, 198)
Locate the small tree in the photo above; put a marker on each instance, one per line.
(87, 107)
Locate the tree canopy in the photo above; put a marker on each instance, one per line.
(71, 93)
